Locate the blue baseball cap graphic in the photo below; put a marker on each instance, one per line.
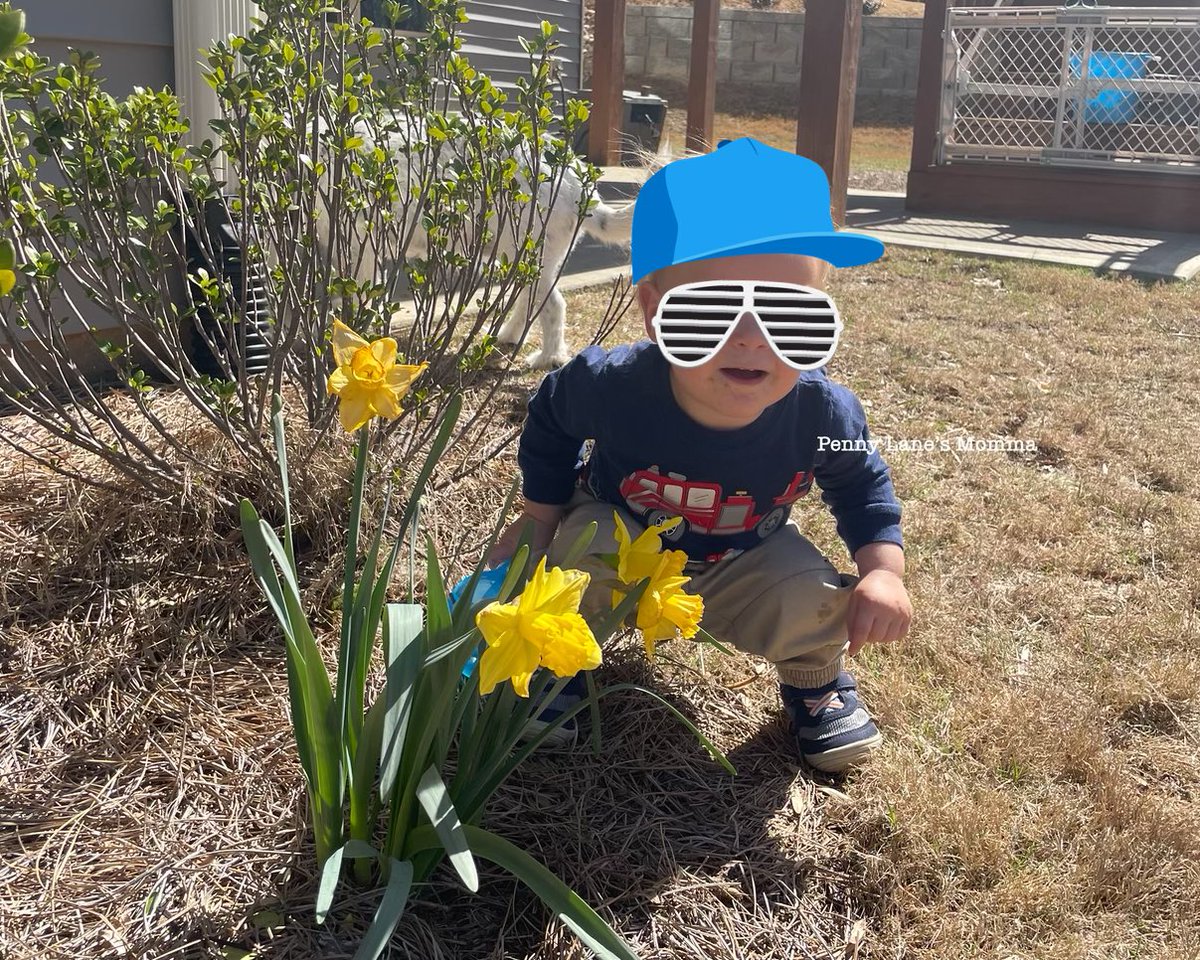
(744, 197)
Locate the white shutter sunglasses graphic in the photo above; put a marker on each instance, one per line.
(695, 320)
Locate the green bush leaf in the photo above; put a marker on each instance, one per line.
(12, 25)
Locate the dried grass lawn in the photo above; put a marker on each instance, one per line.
(880, 151)
(1038, 794)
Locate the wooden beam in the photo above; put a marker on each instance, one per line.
(929, 86)
(702, 75)
(828, 76)
(1126, 198)
(608, 84)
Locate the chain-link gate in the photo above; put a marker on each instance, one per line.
(1079, 86)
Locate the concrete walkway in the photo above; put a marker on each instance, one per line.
(1148, 254)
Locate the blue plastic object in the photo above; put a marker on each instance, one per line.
(1112, 106)
(487, 588)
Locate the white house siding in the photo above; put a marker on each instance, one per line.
(133, 38)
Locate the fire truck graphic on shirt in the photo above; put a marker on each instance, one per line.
(703, 506)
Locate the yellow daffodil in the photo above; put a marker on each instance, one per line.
(8, 256)
(639, 558)
(368, 381)
(664, 608)
(542, 628)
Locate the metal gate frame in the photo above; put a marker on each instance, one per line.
(1070, 95)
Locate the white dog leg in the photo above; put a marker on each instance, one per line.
(554, 352)
(513, 328)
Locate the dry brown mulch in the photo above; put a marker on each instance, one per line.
(1038, 794)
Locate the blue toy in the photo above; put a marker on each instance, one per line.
(1112, 106)
(487, 588)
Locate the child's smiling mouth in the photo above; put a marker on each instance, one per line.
(743, 375)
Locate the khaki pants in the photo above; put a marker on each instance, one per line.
(782, 599)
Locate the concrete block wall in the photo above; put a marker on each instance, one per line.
(758, 47)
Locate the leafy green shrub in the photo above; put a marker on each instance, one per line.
(107, 204)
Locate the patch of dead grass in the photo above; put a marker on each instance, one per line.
(1037, 794)
(880, 151)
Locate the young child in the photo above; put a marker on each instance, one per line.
(708, 420)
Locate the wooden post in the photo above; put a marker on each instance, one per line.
(702, 75)
(929, 86)
(828, 76)
(608, 84)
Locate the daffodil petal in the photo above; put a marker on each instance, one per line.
(685, 611)
(509, 655)
(666, 610)
(620, 532)
(338, 381)
(636, 559)
(385, 402)
(515, 660)
(384, 350)
(666, 526)
(497, 622)
(401, 376)
(556, 591)
(648, 541)
(346, 343)
(364, 366)
(355, 407)
(670, 566)
(649, 610)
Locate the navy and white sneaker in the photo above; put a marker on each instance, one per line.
(833, 730)
(567, 733)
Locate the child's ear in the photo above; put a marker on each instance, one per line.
(648, 296)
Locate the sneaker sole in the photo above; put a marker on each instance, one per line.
(840, 758)
(562, 736)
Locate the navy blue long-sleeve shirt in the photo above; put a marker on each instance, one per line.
(732, 487)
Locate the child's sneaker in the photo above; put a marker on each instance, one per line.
(832, 728)
(565, 734)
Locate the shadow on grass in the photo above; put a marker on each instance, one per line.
(651, 832)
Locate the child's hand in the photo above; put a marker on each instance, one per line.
(544, 517)
(879, 610)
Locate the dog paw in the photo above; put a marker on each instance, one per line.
(548, 360)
